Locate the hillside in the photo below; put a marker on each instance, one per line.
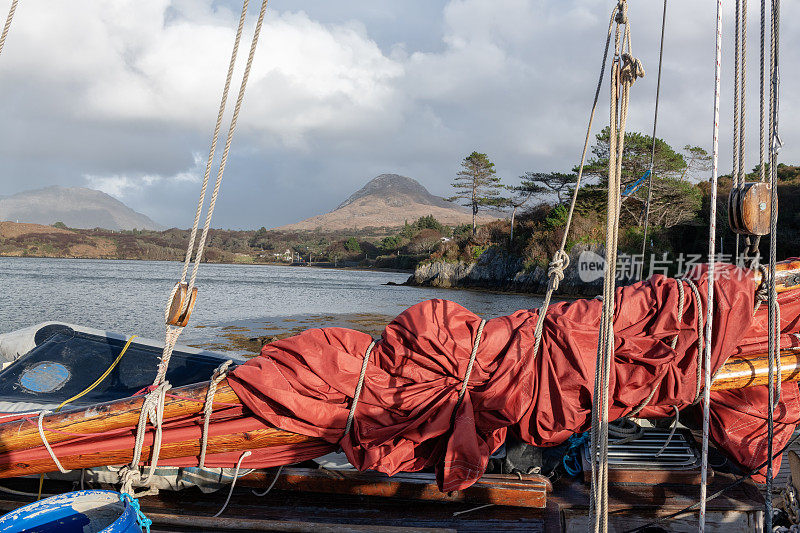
(77, 207)
(387, 201)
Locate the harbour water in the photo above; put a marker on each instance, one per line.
(235, 301)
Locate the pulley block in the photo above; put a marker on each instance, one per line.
(176, 316)
(749, 209)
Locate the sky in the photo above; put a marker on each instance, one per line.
(122, 95)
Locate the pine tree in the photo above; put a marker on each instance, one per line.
(477, 185)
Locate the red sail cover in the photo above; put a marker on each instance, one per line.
(405, 420)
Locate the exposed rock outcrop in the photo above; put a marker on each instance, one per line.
(499, 270)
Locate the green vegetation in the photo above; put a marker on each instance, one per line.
(538, 206)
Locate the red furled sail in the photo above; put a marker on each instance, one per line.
(406, 418)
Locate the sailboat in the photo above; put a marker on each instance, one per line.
(445, 407)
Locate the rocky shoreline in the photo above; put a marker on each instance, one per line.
(501, 271)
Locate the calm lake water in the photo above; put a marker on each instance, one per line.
(129, 297)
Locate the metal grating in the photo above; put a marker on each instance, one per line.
(640, 454)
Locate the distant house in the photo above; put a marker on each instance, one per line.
(286, 257)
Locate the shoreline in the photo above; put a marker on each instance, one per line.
(254, 263)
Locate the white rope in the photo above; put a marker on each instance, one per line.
(7, 25)
(47, 444)
(247, 453)
(359, 386)
(274, 480)
(208, 407)
(153, 411)
(174, 332)
(711, 271)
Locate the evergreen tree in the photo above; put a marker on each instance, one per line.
(477, 185)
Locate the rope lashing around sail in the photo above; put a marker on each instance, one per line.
(173, 332)
(47, 444)
(461, 393)
(220, 374)
(7, 25)
(359, 387)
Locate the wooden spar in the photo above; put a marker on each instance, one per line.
(787, 276)
(119, 414)
(738, 372)
(233, 442)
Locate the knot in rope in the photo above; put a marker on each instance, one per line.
(557, 267)
(631, 69)
(622, 12)
(152, 411)
(128, 477)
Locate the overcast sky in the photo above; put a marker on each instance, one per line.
(121, 95)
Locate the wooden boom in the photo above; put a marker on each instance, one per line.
(738, 372)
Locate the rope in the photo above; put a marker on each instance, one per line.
(47, 446)
(673, 428)
(208, 407)
(274, 480)
(359, 386)
(247, 453)
(99, 380)
(7, 25)
(653, 149)
(624, 72)
(774, 310)
(173, 333)
(465, 382)
(711, 269)
(735, 185)
(153, 411)
(555, 273)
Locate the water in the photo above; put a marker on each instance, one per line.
(129, 296)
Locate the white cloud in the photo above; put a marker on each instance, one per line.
(122, 94)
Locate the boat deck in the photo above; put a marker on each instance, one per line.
(632, 505)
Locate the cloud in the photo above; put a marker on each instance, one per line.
(122, 95)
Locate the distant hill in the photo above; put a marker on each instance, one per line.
(77, 207)
(386, 201)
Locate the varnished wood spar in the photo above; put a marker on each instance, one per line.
(738, 372)
(742, 372)
(234, 442)
(119, 414)
(787, 276)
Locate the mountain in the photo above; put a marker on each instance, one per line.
(77, 207)
(387, 201)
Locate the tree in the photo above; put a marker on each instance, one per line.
(558, 183)
(476, 184)
(520, 195)
(352, 245)
(672, 203)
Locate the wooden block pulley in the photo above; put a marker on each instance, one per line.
(749, 209)
(175, 316)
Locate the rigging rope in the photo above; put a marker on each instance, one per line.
(173, 332)
(774, 311)
(653, 149)
(7, 25)
(560, 260)
(711, 273)
(625, 70)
